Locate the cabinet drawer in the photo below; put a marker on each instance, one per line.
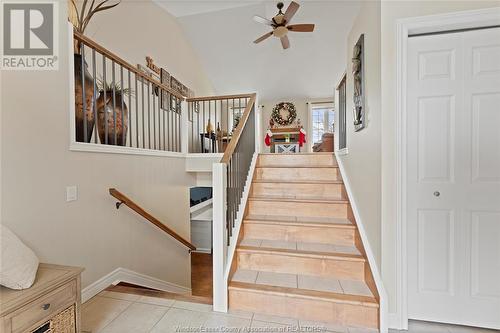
(43, 308)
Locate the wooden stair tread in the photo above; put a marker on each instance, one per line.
(308, 253)
(299, 221)
(303, 200)
(297, 181)
(297, 166)
(305, 293)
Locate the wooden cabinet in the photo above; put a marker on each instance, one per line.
(52, 304)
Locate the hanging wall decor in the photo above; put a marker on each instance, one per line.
(358, 73)
(284, 113)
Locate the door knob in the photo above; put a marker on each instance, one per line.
(46, 306)
(437, 194)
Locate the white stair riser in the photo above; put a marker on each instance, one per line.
(297, 174)
(302, 209)
(280, 263)
(300, 233)
(344, 314)
(299, 191)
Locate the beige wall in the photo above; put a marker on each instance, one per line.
(302, 114)
(391, 12)
(362, 163)
(37, 165)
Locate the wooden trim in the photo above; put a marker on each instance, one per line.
(132, 205)
(237, 132)
(89, 42)
(214, 98)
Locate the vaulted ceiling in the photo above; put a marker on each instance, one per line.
(222, 32)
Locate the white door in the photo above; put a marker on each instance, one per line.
(453, 178)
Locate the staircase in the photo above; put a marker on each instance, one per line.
(299, 253)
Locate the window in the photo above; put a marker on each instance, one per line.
(341, 89)
(322, 121)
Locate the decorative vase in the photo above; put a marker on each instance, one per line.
(87, 115)
(116, 117)
(209, 127)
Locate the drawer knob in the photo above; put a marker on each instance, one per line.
(46, 306)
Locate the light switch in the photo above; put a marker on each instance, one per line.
(71, 193)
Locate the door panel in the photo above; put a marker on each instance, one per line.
(453, 178)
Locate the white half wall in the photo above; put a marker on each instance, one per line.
(37, 165)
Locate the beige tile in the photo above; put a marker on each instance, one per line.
(216, 320)
(275, 319)
(315, 247)
(156, 301)
(276, 244)
(277, 279)
(101, 311)
(267, 327)
(179, 318)
(353, 287)
(319, 283)
(192, 306)
(309, 326)
(250, 242)
(426, 327)
(240, 314)
(245, 275)
(138, 317)
(123, 296)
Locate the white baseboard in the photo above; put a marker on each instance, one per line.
(368, 249)
(128, 276)
(394, 322)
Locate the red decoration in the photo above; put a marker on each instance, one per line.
(267, 140)
(302, 137)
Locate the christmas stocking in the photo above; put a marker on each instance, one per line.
(267, 140)
(302, 137)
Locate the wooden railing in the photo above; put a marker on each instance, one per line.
(213, 121)
(123, 199)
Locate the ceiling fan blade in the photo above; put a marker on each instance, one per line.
(301, 27)
(290, 11)
(260, 39)
(285, 42)
(262, 20)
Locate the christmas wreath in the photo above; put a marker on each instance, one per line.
(279, 111)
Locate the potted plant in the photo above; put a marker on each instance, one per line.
(80, 19)
(113, 111)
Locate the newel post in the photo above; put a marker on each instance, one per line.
(219, 237)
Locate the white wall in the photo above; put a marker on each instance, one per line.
(391, 11)
(362, 164)
(37, 165)
(302, 114)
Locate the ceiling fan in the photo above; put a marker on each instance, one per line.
(280, 24)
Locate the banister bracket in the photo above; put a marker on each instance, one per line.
(118, 204)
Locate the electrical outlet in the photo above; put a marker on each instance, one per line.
(71, 193)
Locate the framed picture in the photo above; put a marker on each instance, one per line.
(165, 80)
(358, 73)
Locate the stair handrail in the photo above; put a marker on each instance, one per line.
(123, 199)
(237, 132)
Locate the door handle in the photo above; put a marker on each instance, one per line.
(437, 194)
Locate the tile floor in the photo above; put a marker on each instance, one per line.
(112, 312)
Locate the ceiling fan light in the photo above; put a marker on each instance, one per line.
(280, 32)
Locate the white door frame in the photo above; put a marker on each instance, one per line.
(405, 27)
